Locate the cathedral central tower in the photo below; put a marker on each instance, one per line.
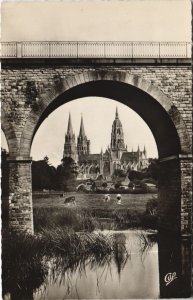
(117, 137)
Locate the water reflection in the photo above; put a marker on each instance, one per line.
(139, 267)
(117, 276)
(121, 252)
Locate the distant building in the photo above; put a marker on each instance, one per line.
(116, 155)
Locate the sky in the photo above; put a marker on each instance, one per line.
(98, 115)
(84, 20)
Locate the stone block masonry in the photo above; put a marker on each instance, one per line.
(28, 89)
(20, 196)
(21, 87)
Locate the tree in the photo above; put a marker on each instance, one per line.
(118, 175)
(153, 168)
(151, 172)
(43, 175)
(46, 159)
(104, 184)
(133, 175)
(117, 185)
(66, 174)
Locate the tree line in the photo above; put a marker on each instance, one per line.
(63, 177)
(44, 175)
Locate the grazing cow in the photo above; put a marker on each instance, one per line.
(107, 198)
(70, 200)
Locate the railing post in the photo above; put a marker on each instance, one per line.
(77, 49)
(19, 50)
(49, 52)
(132, 49)
(159, 50)
(104, 51)
(186, 49)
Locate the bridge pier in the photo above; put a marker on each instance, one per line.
(174, 255)
(186, 194)
(20, 195)
(175, 197)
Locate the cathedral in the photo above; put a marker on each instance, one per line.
(115, 157)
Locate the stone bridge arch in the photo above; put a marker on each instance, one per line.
(8, 131)
(157, 110)
(83, 83)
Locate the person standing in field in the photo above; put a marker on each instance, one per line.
(107, 198)
(118, 199)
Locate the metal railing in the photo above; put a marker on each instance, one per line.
(96, 49)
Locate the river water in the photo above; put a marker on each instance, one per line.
(133, 273)
(143, 265)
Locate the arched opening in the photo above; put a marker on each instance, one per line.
(4, 144)
(143, 104)
(4, 179)
(154, 107)
(161, 123)
(163, 119)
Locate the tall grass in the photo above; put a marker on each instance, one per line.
(25, 258)
(53, 217)
(146, 242)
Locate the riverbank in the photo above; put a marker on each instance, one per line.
(92, 212)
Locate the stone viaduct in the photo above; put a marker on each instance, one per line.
(155, 85)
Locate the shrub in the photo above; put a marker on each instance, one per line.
(117, 185)
(151, 206)
(104, 184)
(22, 267)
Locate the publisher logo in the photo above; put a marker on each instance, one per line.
(169, 277)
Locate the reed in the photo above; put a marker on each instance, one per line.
(72, 218)
(26, 258)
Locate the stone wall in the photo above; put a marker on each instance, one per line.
(20, 196)
(186, 194)
(169, 195)
(175, 195)
(24, 87)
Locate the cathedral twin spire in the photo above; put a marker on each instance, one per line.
(116, 113)
(70, 129)
(82, 131)
(70, 147)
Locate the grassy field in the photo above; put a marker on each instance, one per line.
(133, 202)
(91, 211)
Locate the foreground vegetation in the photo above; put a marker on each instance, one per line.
(88, 220)
(65, 240)
(25, 258)
(29, 262)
